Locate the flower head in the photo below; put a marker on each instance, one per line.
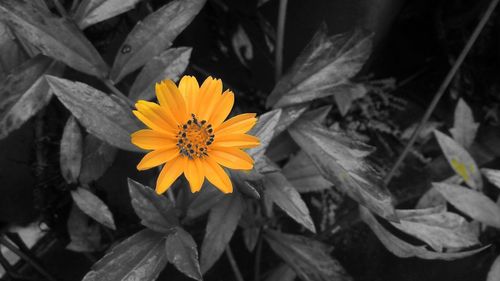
(187, 132)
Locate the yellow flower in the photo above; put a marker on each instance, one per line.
(187, 132)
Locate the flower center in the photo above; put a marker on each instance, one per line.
(194, 137)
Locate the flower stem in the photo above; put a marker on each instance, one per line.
(117, 92)
(258, 254)
(444, 85)
(233, 263)
(279, 40)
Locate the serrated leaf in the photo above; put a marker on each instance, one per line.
(90, 12)
(281, 192)
(303, 174)
(93, 207)
(464, 128)
(168, 65)
(222, 222)
(182, 252)
(492, 175)
(471, 202)
(341, 161)
(494, 273)
(54, 37)
(404, 249)
(70, 153)
(97, 158)
(437, 227)
(84, 234)
(325, 64)
(460, 160)
(155, 211)
(264, 130)
(23, 94)
(153, 35)
(141, 257)
(309, 258)
(101, 115)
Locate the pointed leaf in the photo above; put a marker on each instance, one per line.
(303, 174)
(340, 159)
(346, 94)
(97, 158)
(168, 65)
(54, 37)
(204, 200)
(471, 202)
(464, 128)
(492, 175)
(156, 211)
(141, 257)
(325, 64)
(404, 249)
(309, 258)
(70, 154)
(222, 222)
(281, 192)
(101, 115)
(90, 12)
(153, 35)
(264, 130)
(85, 234)
(288, 115)
(460, 160)
(250, 237)
(182, 252)
(93, 207)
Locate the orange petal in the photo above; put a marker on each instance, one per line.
(194, 174)
(189, 88)
(217, 176)
(239, 124)
(159, 114)
(236, 140)
(233, 158)
(156, 158)
(222, 110)
(149, 139)
(210, 95)
(169, 97)
(170, 172)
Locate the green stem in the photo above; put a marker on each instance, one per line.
(258, 255)
(279, 39)
(233, 263)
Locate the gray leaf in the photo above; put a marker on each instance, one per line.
(464, 128)
(90, 12)
(182, 252)
(70, 153)
(93, 207)
(85, 236)
(97, 158)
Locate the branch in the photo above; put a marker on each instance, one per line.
(279, 40)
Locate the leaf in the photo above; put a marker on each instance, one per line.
(341, 161)
(85, 236)
(222, 222)
(70, 154)
(346, 94)
(494, 273)
(182, 252)
(464, 128)
(288, 116)
(438, 228)
(203, 201)
(281, 192)
(155, 211)
(250, 237)
(168, 65)
(303, 174)
(404, 249)
(54, 37)
(493, 176)
(460, 160)
(282, 273)
(309, 258)
(141, 257)
(471, 202)
(242, 46)
(325, 64)
(97, 158)
(101, 115)
(264, 130)
(153, 35)
(23, 94)
(93, 207)
(90, 12)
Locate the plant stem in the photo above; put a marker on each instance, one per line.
(60, 9)
(444, 85)
(117, 92)
(233, 263)
(26, 258)
(279, 39)
(258, 254)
